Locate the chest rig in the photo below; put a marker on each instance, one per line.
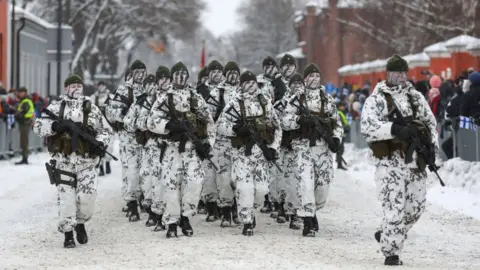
(61, 143)
(142, 137)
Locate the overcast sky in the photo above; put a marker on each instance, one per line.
(220, 16)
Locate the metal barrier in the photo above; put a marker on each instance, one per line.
(10, 141)
(466, 138)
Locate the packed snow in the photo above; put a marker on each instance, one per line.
(446, 237)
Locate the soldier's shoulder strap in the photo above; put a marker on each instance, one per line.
(389, 100)
(323, 100)
(263, 102)
(87, 108)
(61, 113)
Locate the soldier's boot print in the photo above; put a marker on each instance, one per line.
(247, 229)
(295, 222)
(133, 214)
(82, 236)
(172, 230)
(108, 170)
(308, 227)
(267, 206)
(101, 172)
(378, 235)
(140, 202)
(159, 224)
(315, 223)
(393, 260)
(282, 217)
(187, 229)
(69, 242)
(235, 218)
(152, 217)
(274, 213)
(227, 217)
(211, 211)
(201, 209)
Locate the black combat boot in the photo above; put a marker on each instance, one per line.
(69, 242)
(100, 171)
(152, 217)
(378, 235)
(315, 223)
(202, 210)
(211, 211)
(308, 227)
(172, 230)
(82, 236)
(341, 167)
(132, 213)
(227, 217)
(282, 217)
(393, 260)
(267, 206)
(248, 229)
(295, 222)
(125, 209)
(274, 213)
(23, 161)
(235, 213)
(141, 198)
(108, 170)
(187, 229)
(159, 224)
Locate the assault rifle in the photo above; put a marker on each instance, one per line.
(321, 130)
(420, 143)
(77, 132)
(254, 136)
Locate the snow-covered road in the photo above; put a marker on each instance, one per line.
(447, 236)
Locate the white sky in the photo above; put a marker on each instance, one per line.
(220, 16)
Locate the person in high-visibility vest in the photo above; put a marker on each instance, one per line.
(25, 112)
(346, 131)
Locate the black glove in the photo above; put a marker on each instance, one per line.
(306, 121)
(270, 154)
(402, 132)
(60, 126)
(203, 149)
(124, 111)
(335, 146)
(241, 130)
(176, 126)
(98, 150)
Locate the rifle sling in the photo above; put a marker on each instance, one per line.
(173, 113)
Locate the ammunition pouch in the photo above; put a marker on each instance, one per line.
(386, 148)
(199, 125)
(141, 137)
(55, 175)
(62, 144)
(286, 142)
(266, 132)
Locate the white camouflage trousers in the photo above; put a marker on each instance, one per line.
(76, 205)
(149, 167)
(250, 175)
(154, 176)
(402, 192)
(222, 156)
(312, 175)
(183, 175)
(209, 191)
(291, 198)
(130, 155)
(108, 158)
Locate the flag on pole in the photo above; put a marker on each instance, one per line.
(202, 56)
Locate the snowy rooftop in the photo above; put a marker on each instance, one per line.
(344, 69)
(419, 57)
(20, 12)
(296, 53)
(460, 41)
(437, 47)
(475, 45)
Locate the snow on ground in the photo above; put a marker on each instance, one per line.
(445, 237)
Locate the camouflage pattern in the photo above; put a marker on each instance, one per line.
(401, 187)
(313, 169)
(130, 151)
(181, 173)
(76, 204)
(100, 99)
(250, 174)
(267, 88)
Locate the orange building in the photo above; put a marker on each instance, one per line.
(3, 41)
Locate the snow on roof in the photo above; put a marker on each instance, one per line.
(312, 3)
(474, 45)
(460, 41)
(296, 53)
(419, 57)
(20, 12)
(437, 47)
(344, 69)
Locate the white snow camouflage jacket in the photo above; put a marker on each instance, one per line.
(252, 108)
(74, 111)
(115, 105)
(266, 88)
(313, 103)
(159, 117)
(137, 115)
(374, 122)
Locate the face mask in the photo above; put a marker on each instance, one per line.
(203, 80)
(270, 70)
(215, 76)
(163, 83)
(179, 78)
(138, 75)
(288, 70)
(249, 87)
(150, 88)
(296, 87)
(232, 77)
(74, 90)
(313, 81)
(397, 78)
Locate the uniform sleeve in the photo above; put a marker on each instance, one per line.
(113, 111)
(103, 129)
(212, 100)
(426, 116)
(335, 116)
(226, 121)
(273, 117)
(129, 121)
(205, 114)
(373, 126)
(157, 119)
(43, 125)
(290, 116)
(142, 119)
